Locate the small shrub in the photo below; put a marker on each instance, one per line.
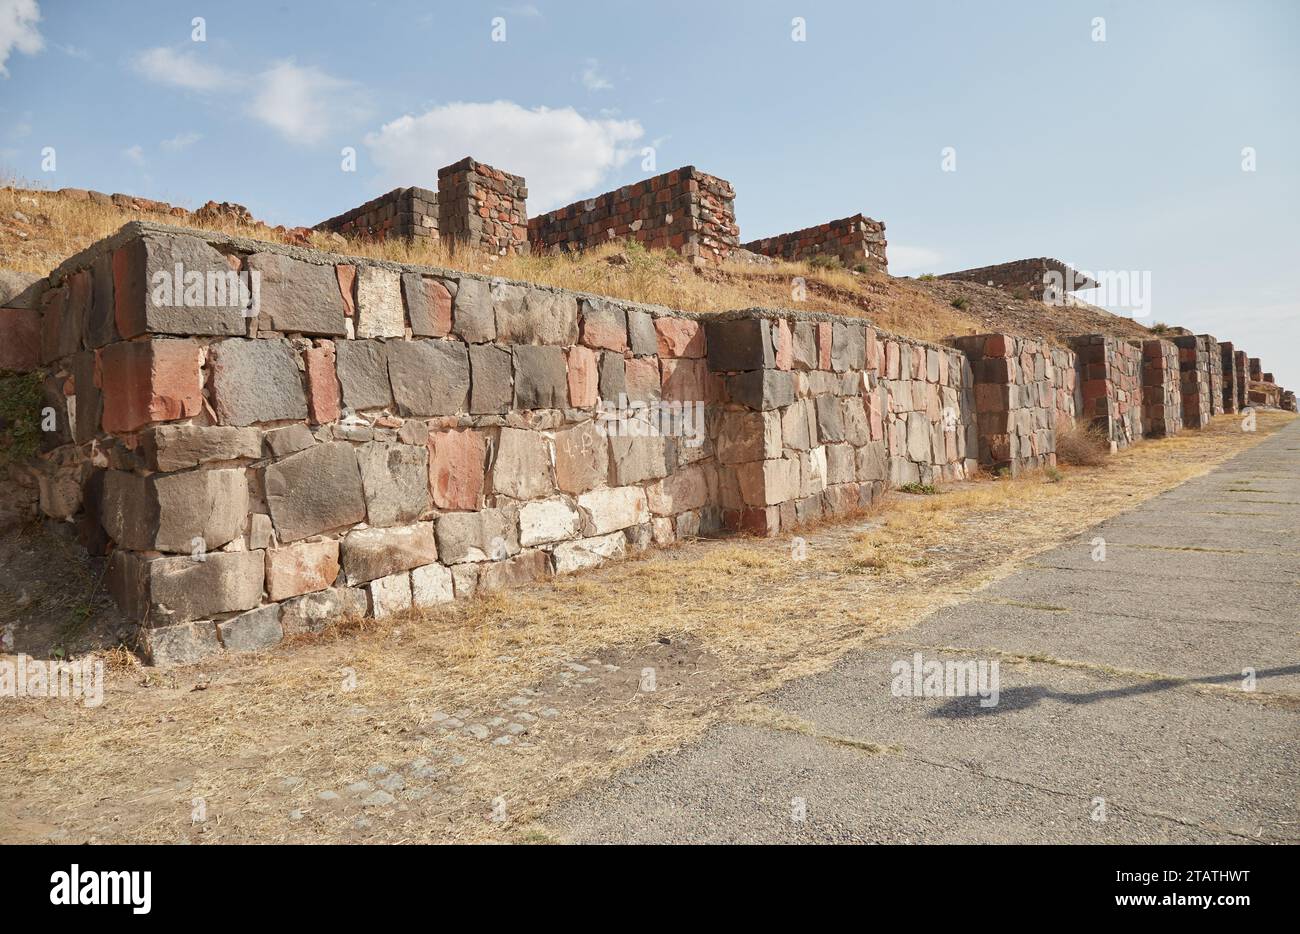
(1159, 328)
(1053, 475)
(862, 268)
(1082, 446)
(919, 489)
(959, 303)
(927, 277)
(20, 416)
(825, 261)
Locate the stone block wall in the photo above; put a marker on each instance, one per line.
(856, 240)
(1194, 363)
(1110, 386)
(1214, 363)
(1023, 392)
(1231, 377)
(403, 213)
(1162, 397)
(820, 415)
(1026, 278)
(686, 210)
(483, 208)
(1243, 378)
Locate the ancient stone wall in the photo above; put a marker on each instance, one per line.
(686, 210)
(1110, 386)
(403, 213)
(1214, 365)
(1023, 392)
(483, 208)
(1162, 398)
(1231, 377)
(1194, 363)
(856, 241)
(1243, 378)
(820, 415)
(1027, 278)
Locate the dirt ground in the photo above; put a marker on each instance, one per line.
(468, 723)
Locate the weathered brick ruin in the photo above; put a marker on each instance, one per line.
(1214, 362)
(857, 241)
(1243, 379)
(1024, 390)
(403, 213)
(1026, 278)
(1231, 377)
(1162, 395)
(1110, 386)
(1194, 363)
(482, 208)
(685, 210)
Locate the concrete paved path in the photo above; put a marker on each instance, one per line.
(1121, 695)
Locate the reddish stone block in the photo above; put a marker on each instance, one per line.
(456, 467)
(784, 345)
(679, 337)
(998, 345)
(20, 339)
(892, 364)
(642, 378)
(873, 351)
(322, 383)
(347, 276)
(584, 377)
(823, 345)
(684, 380)
(439, 301)
(149, 381)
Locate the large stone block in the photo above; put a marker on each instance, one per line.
(685, 490)
(181, 643)
(395, 480)
(390, 595)
(472, 315)
(363, 374)
(588, 552)
(581, 458)
(740, 344)
(514, 572)
(314, 491)
(175, 284)
(177, 447)
(761, 389)
(431, 585)
(679, 337)
(486, 535)
(534, 316)
(252, 631)
(313, 611)
(373, 553)
(301, 568)
(428, 304)
(748, 436)
(830, 419)
(379, 303)
(583, 376)
(457, 460)
(149, 381)
(182, 589)
(604, 325)
(522, 466)
(323, 397)
(613, 378)
(429, 377)
(769, 482)
(298, 297)
(546, 521)
(643, 339)
(491, 385)
(541, 378)
(256, 381)
(20, 349)
(610, 510)
(634, 459)
(192, 512)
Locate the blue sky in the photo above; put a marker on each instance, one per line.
(1123, 154)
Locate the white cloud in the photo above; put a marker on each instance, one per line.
(592, 79)
(561, 153)
(303, 102)
(181, 69)
(906, 260)
(134, 153)
(180, 141)
(18, 19)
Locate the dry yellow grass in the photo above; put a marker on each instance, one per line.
(726, 620)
